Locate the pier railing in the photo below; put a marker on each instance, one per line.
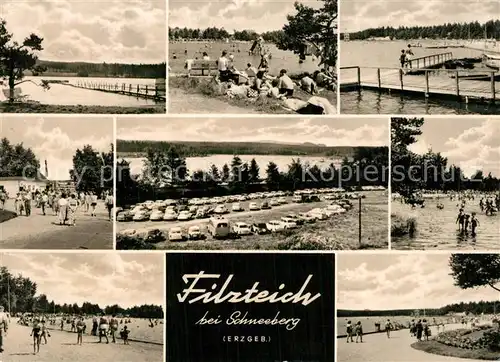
(444, 83)
(430, 60)
(135, 90)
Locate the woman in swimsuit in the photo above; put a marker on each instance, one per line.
(36, 334)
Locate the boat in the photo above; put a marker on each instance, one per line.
(476, 76)
(492, 61)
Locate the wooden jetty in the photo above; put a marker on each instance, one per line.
(155, 92)
(426, 78)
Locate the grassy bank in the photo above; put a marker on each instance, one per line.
(435, 347)
(54, 108)
(403, 225)
(6, 215)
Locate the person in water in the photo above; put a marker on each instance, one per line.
(474, 223)
(466, 223)
(461, 220)
(402, 59)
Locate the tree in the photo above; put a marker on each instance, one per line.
(476, 270)
(226, 173)
(312, 26)
(214, 173)
(254, 171)
(161, 167)
(88, 166)
(273, 176)
(16, 160)
(16, 58)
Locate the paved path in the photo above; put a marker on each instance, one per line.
(62, 347)
(43, 232)
(379, 348)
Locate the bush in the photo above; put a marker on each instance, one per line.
(309, 241)
(402, 226)
(124, 242)
(471, 338)
(491, 339)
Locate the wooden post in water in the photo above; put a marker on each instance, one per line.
(492, 82)
(401, 78)
(146, 90)
(130, 88)
(157, 91)
(359, 77)
(427, 82)
(137, 89)
(457, 84)
(378, 77)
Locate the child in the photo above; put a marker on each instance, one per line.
(349, 332)
(388, 327)
(124, 334)
(45, 332)
(466, 223)
(80, 328)
(474, 223)
(35, 333)
(359, 332)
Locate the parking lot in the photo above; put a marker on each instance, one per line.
(341, 227)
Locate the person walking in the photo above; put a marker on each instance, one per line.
(110, 202)
(4, 326)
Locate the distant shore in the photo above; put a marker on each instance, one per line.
(54, 108)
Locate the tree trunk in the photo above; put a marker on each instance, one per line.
(11, 89)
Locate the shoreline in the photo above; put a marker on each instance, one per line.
(80, 109)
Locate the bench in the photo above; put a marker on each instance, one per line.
(202, 68)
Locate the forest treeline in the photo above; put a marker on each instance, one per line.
(475, 308)
(201, 149)
(115, 70)
(472, 30)
(24, 299)
(214, 33)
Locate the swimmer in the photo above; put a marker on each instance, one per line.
(474, 223)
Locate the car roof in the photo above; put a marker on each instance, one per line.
(176, 229)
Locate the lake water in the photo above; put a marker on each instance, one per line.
(385, 54)
(280, 58)
(437, 229)
(67, 95)
(204, 163)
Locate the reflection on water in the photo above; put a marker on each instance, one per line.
(438, 228)
(68, 95)
(374, 102)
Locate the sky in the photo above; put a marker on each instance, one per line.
(258, 15)
(56, 139)
(101, 278)
(473, 144)
(329, 131)
(356, 15)
(114, 31)
(400, 281)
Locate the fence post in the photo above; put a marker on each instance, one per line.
(401, 78)
(427, 82)
(378, 77)
(457, 79)
(130, 88)
(146, 90)
(137, 89)
(492, 82)
(359, 76)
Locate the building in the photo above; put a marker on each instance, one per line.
(12, 184)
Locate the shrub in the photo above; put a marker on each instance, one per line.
(125, 242)
(402, 226)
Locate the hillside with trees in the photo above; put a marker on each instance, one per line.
(24, 298)
(472, 30)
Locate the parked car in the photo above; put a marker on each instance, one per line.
(275, 226)
(282, 200)
(288, 223)
(175, 234)
(221, 209)
(265, 205)
(298, 220)
(319, 214)
(192, 209)
(253, 206)
(156, 215)
(241, 228)
(260, 229)
(237, 207)
(184, 215)
(194, 233)
(135, 209)
(297, 198)
(170, 215)
(307, 218)
(219, 227)
(124, 215)
(142, 215)
(274, 202)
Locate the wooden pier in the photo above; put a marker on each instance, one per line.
(157, 93)
(425, 78)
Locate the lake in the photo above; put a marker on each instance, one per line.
(66, 95)
(204, 163)
(280, 58)
(385, 54)
(437, 229)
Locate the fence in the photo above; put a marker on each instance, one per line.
(137, 90)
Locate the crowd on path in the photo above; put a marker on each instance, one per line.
(61, 204)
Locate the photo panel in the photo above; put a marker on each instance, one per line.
(268, 57)
(83, 57)
(445, 186)
(250, 307)
(56, 182)
(252, 183)
(413, 307)
(82, 306)
(447, 63)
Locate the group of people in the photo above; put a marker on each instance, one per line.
(61, 204)
(405, 57)
(420, 329)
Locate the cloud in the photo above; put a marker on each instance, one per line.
(357, 15)
(93, 31)
(102, 278)
(57, 139)
(400, 281)
(258, 15)
(332, 132)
